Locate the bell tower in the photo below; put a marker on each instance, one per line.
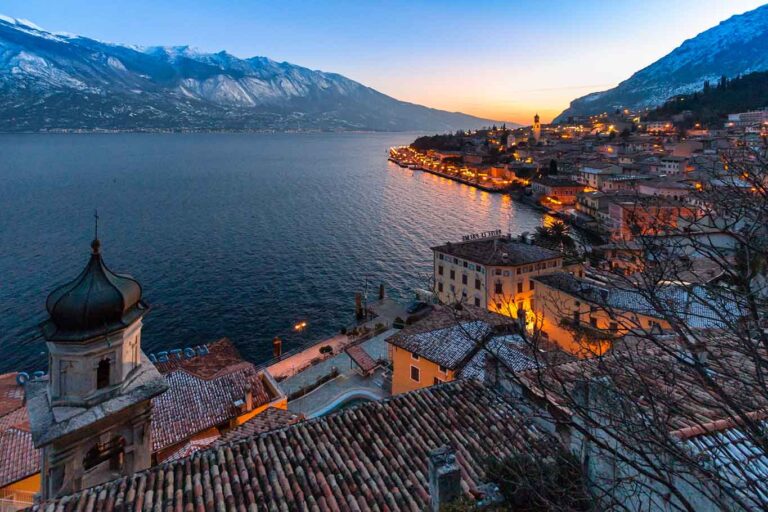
(91, 415)
(536, 128)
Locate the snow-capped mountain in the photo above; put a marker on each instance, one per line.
(63, 81)
(738, 45)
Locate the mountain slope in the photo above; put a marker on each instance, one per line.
(738, 45)
(57, 81)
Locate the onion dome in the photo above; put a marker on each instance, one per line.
(95, 303)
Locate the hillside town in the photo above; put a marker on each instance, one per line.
(530, 348)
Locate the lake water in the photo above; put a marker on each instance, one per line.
(237, 235)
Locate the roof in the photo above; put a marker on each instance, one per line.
(202, 394)
(696, 306)
(498, 251)
(96, 302)
(370, 457)
(551, 181)
(644, 370)
(361, 358)
(271, 419)
(449, 346)
(510, 349)
(19, 458)
(735, 456)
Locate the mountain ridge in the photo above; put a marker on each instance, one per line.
(59, 81)
(737, 45)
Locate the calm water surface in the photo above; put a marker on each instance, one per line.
(236, 235)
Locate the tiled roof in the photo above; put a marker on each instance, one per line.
(271, 419)
(735, 456)
(361, 358)
(696, 306)
(510, 349)
(449, 346)
(222, 354)
(191, 446)
(18, 456)
(192, 404)
(498, 251)
(370, 457)
(637, 366)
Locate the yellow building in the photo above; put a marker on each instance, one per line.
(452, 343)
(584, 319)
(493, 271)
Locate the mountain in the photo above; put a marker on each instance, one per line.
(52, 81)
(738, 45)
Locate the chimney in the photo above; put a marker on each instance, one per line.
(444, 477)
(248, 398)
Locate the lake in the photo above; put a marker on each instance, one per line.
(236, 235)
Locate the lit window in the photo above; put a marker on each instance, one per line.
(415, 374)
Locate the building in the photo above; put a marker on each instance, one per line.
(491, 272)
(594, 174)
(92, 417)
(692, 435)
(207, 396)
(659, 127)
(392, 455)
(556, 192)
(536, 128)
(20, 461)
(673, 165)
(644, 216)
(453, 344)
(585, 319)
(744, 119)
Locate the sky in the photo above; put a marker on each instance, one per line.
(502, 60)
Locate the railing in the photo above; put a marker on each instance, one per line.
(13, 500)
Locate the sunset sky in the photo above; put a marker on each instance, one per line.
(503, 60)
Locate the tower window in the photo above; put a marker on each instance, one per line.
(102, 374)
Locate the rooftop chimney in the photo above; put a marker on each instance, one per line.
(444, 477)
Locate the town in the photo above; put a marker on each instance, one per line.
(659, 323)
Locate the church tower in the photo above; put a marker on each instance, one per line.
(91, 415)
(536, 128)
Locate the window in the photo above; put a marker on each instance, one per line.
(506, 273)
(478, 284)
(498, 288)
(464, 279)
(531, 285)
(440, 270)
(443, 369)
(440, 256)
(520, 287)
(415, 374)
(518, 271)
(465, 264)
(577, 316)
(480, 269)
(415, 357)
(455, 261)
(498, 271)
(477, 301)
(593, 321)
(453, 274)
(102, 374)
(440, 287)
(613, 326)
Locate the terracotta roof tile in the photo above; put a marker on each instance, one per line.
(370, 457)
(18, 456)
(271, 419)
